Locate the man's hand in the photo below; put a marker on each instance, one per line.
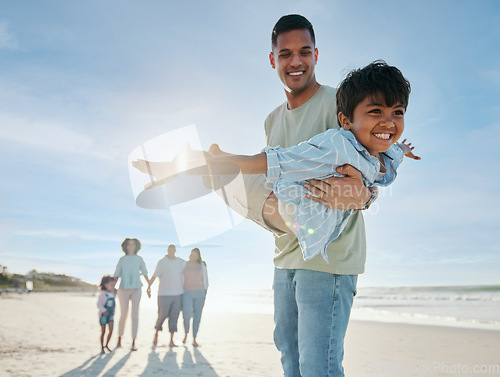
(347, 192)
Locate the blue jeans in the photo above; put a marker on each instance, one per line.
(192, 307)
(311, 313)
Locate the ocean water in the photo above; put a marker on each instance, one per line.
(458, 306)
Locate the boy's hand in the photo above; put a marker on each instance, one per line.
(159, 170)
(105, 313)
(185, 160)
(148, 291)
(408, 150)
(162, 172)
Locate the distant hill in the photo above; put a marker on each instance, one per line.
(42, 281)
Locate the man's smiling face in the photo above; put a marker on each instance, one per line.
(294, 57)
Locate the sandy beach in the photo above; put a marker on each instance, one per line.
(56, 334)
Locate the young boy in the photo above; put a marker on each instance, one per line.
(371, 103)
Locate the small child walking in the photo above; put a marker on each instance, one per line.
(106, 305)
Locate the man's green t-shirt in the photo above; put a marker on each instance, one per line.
(284, 127)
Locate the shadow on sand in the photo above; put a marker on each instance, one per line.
(95, 365)
(193, 363)
(179, 361)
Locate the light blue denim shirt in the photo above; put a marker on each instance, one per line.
(288, 169)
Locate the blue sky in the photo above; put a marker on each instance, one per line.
(83, 83)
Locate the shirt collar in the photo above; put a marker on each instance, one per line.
(394, 152)
(359, 147)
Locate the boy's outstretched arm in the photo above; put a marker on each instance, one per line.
(253, 164)
(195, 162)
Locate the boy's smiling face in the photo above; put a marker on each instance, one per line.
(376, 125)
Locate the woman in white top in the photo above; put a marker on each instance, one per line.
(195, 291)
(129, 269)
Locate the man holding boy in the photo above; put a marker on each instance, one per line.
(312, 299)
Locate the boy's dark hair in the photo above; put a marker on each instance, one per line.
(137, 245)
(105, 280)
(291, 22)
(376, 77)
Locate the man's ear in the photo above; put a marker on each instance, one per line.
(315, 56)
(271, 60)
(344, 121)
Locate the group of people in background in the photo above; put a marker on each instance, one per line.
(183, 286)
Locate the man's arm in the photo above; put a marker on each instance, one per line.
(347, 192)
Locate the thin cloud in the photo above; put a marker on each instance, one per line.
(8, 41)
(49, 136)
(85, 235)
(22, 264)
(65, 233)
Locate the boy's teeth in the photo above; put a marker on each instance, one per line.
(295, 73)
(383, 136)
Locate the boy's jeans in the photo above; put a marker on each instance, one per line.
(311, 313)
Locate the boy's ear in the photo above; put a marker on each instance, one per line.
(344, 121)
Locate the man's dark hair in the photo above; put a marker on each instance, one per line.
(376, 78)
(291, 22)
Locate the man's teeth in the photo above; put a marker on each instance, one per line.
(295, 73)
(383, 136)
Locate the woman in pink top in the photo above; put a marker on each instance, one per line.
(195, 291)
